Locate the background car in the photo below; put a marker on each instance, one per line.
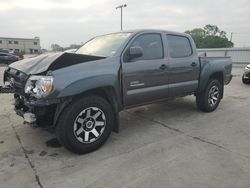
(4, 51)
(7, 58)
(246, 75)
(19, 54)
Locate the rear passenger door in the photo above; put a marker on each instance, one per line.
(183, 66)
(145, 78)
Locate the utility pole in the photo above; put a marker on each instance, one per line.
(120, 7)
(231, 37)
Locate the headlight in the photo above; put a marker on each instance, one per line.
(39, 86)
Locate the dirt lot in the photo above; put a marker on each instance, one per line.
(170, 144)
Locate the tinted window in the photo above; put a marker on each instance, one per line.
(151, 45)
(179, 46)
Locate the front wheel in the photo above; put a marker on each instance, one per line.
(209, 99)
(85, 124)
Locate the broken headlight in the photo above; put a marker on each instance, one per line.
(39, 86)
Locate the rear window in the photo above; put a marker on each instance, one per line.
(179, 46)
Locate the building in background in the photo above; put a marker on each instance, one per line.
(22, 45)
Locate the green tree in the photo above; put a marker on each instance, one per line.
(198, 35)
(57, 47)
(210, 36)
(73, 46)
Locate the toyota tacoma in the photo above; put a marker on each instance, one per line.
(81, 94)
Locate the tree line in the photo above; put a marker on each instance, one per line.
(57, 47)
(210, 36)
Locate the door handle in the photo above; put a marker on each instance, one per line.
(193, 64)
(163, 66)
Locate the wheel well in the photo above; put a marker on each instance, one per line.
(107, 93)
(218, 76)
(110, 95)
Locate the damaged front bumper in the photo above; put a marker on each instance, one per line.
(20, 108)
(34, 111)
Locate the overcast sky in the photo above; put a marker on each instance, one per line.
(74, 21)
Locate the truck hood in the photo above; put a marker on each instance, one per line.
(51, 61)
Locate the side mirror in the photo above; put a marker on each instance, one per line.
(135, 52)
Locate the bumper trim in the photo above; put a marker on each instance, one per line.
(41, 102)
(6, 89)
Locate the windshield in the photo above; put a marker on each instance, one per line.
(105, 45)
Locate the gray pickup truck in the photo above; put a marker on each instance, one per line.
(80, 94)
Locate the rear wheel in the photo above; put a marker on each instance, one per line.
(85, 124)
(209, 99)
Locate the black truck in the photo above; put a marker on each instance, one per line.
(81, 94)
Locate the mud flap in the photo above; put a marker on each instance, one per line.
(6, 90)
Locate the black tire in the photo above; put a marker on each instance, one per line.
(244, 80)
(65, 129)
(203, 99)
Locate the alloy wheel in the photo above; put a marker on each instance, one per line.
(213, 95)
(89, 125)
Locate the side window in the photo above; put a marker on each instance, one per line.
(179, 46)
(151, 45)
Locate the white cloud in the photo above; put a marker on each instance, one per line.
(47, 4)
(74, 21)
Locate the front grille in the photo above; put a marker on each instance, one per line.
(15, 79)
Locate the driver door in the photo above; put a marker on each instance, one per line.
(145, 78)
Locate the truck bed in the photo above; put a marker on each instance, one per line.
(218, 63)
